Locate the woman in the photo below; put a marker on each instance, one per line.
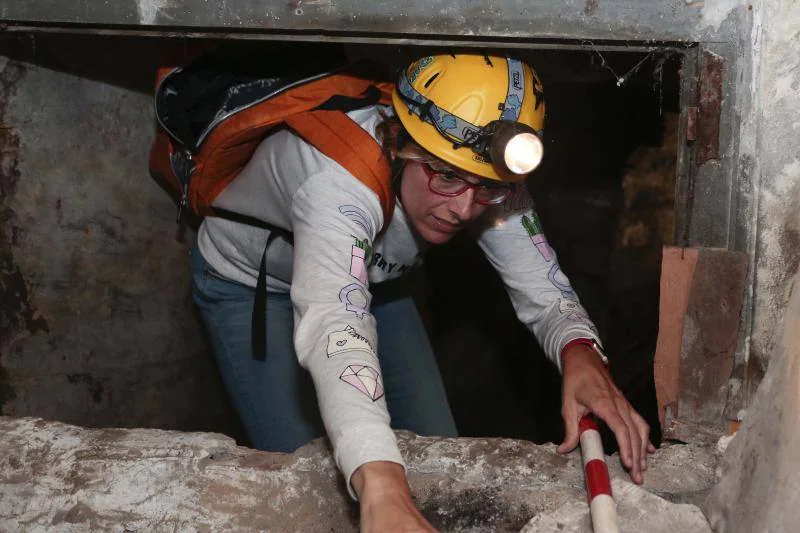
(329, 306)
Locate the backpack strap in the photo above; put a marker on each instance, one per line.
(336, 135)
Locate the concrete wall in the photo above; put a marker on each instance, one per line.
(776, 88)
(759, 489)
(95, 324)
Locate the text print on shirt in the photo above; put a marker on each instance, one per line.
(386, 266)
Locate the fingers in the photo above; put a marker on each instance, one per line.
(644, 437)
(588, 388)
(609, 413)
(631, 432)
(635, 442)
(569, 413)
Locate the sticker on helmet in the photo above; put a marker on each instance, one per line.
(365, 379)
(534, 228)
(348, 340)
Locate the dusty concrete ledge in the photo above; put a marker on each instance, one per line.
(57, 477)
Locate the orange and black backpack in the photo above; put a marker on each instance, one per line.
(214, 112)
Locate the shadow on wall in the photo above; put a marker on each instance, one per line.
(97, 328)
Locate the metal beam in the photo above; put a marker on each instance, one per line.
(672, 21)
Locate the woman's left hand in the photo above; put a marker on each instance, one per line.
(587, 387)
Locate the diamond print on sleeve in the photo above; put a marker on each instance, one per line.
(364, 378)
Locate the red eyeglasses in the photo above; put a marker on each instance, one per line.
(448, 183)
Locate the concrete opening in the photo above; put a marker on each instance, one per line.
(97, 328)
(606, 198)
(605, 194)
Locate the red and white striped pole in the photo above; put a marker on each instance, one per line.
(598, 483)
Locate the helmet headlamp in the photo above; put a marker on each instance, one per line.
(514, 147)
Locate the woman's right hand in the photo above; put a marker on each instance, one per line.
(385, 500)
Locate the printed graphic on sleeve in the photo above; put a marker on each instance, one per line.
(359, 217)
(571, 308)
(561, 282)
(360, 251)
(347, 341)
(364, 378)
(355, 299)
(575, 312)
(534, 228)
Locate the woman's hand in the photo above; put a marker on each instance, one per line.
(385, 499)
(588, 387)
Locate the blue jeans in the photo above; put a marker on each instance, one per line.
(276, 399)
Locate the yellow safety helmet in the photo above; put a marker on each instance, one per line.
(482, 114)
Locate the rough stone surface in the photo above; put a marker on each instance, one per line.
(637, 510)
(760, 490)
(777, 82)
(57, 477)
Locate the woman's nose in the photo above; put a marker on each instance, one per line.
(463, 204)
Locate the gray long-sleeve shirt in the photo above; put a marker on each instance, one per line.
(338, 251)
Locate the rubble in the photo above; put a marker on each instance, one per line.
(57, 477)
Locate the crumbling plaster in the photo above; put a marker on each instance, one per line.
(759, 490)
(777, 168)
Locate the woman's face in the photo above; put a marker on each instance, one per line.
(437, 218)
